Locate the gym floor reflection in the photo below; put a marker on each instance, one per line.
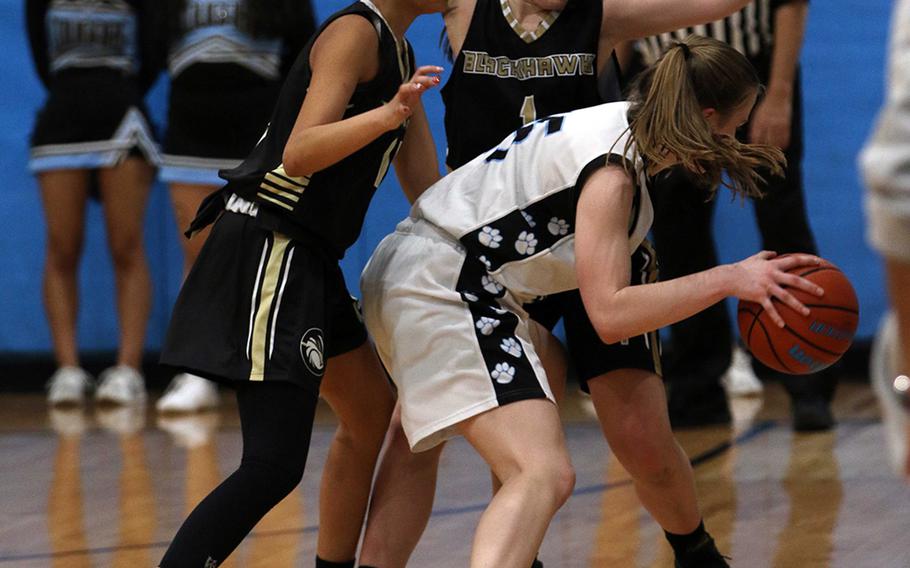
(109, 487)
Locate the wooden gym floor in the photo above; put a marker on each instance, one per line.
(109, 488)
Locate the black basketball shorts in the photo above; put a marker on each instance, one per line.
(590, 356)
(260, 306)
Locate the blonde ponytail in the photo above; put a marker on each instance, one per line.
(666, 119)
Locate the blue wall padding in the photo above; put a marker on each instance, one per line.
(843, 79)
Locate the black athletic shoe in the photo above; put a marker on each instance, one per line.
(812, 415)
(705, 555)
(537, 563)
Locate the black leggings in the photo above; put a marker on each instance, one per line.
(276, 420)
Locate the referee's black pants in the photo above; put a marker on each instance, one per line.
(701, 346)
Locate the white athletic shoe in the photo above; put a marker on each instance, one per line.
(188, 393)
(120, 385)
(740, 379)
(68, 386)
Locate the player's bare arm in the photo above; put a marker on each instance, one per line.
(457, 18)
(619, 310)
(320, 137)
(417, 165)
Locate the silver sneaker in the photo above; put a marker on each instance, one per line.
(120, 385)
(68, 386)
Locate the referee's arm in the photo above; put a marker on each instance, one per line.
(772, 120)
(631, 20)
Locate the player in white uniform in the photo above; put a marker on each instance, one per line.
(562, 204)
(884, 161)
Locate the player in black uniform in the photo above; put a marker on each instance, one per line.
(97, 60)
(265, 307)
(225, 58)
(516, 61)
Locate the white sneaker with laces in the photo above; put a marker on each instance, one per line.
(740, 379)
(120, 385)
(188, 393)
(68, 386)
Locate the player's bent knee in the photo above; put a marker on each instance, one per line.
(557, 478)
(274, 481)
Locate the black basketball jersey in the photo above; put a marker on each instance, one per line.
(329, 206)
(505, 77)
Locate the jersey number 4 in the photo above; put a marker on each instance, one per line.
(554, 124)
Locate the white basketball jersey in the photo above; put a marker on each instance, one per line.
(514, 207)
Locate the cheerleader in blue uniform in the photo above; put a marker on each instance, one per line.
(96, 59)
(226, 60)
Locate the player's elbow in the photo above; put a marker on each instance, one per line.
(608, 329)
(293, 165)
(296, 161)
(610, 336)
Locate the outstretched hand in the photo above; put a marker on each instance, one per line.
(763, 277)
(402, 105)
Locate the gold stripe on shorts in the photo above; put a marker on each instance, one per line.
(263, 309)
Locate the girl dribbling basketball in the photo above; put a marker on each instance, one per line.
(561, 204)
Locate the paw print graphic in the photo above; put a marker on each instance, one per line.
(486, 261)
(491, 286)
(469, 297)
(531, 222)
(557, 226)
(526, 243)
(489, 237)
(503, 373)
(486, 325)
(510, 346)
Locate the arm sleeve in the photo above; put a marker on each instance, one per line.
(35, 11)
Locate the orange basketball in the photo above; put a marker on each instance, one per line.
(807, 343)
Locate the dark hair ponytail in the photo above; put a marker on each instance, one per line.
(666, 114)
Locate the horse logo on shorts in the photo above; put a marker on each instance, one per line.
(312, 351)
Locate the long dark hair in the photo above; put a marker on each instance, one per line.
(666, 115)
(259, 18)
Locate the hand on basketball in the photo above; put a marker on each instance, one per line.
(764, 277)
(402, 105)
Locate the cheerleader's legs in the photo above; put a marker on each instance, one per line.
(186, 198)
(63, 194)
(124, 193)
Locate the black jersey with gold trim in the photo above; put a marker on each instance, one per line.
(328, 206)
(505, 77)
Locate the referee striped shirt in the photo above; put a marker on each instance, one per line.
(750, 31)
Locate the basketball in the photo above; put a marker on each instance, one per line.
(806, 344)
